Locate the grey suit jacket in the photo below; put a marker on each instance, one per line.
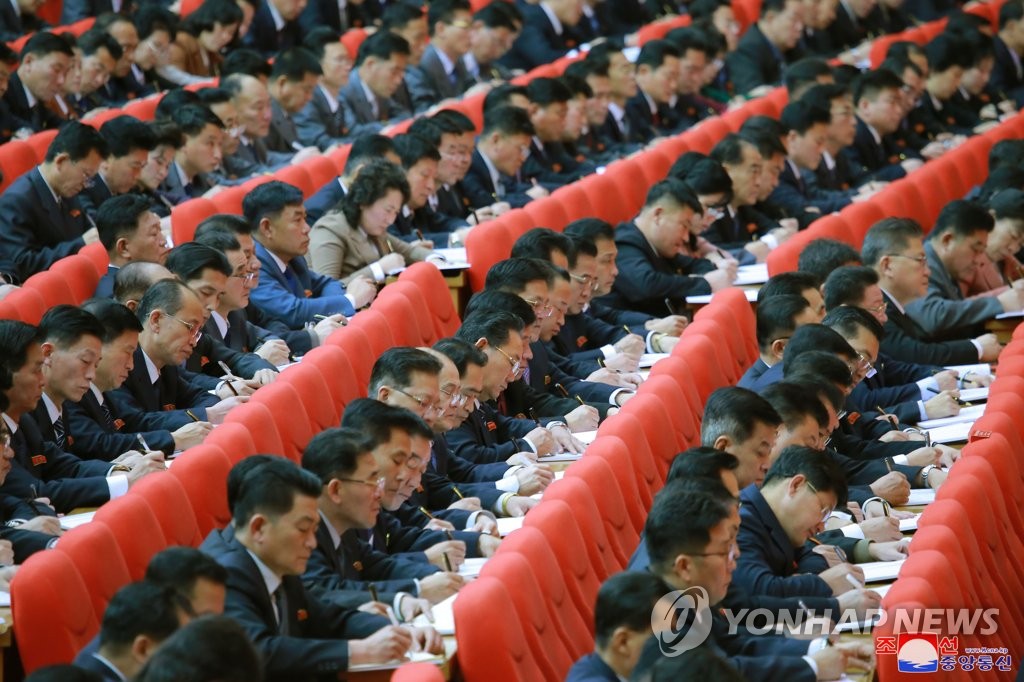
(254, 157)
(943, 312)
(359, 118)
(339, 251)
(318, 126)
(283, 136)
(429, 83)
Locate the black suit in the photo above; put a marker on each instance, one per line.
(553, 166)
(649, 123)
(264, 37)
(874, 161)
(434, 226)
(105, 287)
(34, 231)
(316, 630)
(91, 198)
(37, 117)
(210, 352)
(846, 30)
(538, 42)
(14, 26)
(733, 232)
(580, 340)
(906, 340)
(160, 405)
(300, 341)
(391, 536)
(646, 278)
(487, 436)
(1005, 74)
(99, 436)
(451, 202)
(326, 199)
(755, 61)
(753, 374)
(481, 191)
(474, 480)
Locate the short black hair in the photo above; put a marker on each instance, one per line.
(167, 295)
(126, 134)
(791, 283)
(590, 229)
(676, 192)
(680, 522)
(295, 64)
(166, 133)
(335, 452)
(803, 73)
(500, 15)
(507, 120)
(1006, 153)
(208, 649)
(268, 201)
(822, 256)
(495, 299)
(181, 567)
(189, 260)
(172, 100)
(366, 148)
(493, 325)
(821, 365)
(397, 15)
(708, 177)
(888, 236)
(192, 119)
(271, 489)
(77, 140)
(210, 12)
(654, 53)
(513, 274)
(319, 38)
(729, 149)
(626, 600)
(795, 403)
(151, 18)
(218, 238)
(545, 91)
(96, 39)
(735, 412)
(820, 472)
(64, 325)
(63, 672)
(801, 115)
(962, 218)
(243, 61)
(377, 420)
(540, 242)
(141, 608)
(16, 338)
(1008, 204)
(846, 286)
(444, 11)
(118, 217)
(461, 352)
(225, 221)
(501, 96)
(701, 462)
(848, 320)
(815, 337)
(382, 45)
(396, 366)
(453, 121)
(115, 317)
(44, 43)
(776, 318)
(1010, 11)
(872, 84)
(947, 51)
(412, 149)
(212, 96)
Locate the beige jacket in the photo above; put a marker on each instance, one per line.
(342, 252)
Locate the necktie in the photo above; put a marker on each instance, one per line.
(58, 432)
(107, 416)
(281, 601)
(526, 374)
(293, 283)
(227, 337)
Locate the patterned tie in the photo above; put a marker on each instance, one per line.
(59, 433)
(107, 416)
(281, 600)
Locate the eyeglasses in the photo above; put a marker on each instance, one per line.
(880, 308)
(377, 484)
(540, 309)
(195, 331)
(585, 280)
(920, 260)
(89, 177)
(731, 553)
(455, 399)
(5, 438)
(516, 364)
(247, 278)
(826, 511)
(422, 402)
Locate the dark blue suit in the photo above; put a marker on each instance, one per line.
(325, 199)
(105, 287)
(487, 436)
(476, 480)
(88, 661)
(538, 43)
(591, 668)
(580, 340)
(97, 436)
(37, 117)
(264, 37)
(873, 161)
(159, 406)
(753, 373)
(481, 191)
(284, 295)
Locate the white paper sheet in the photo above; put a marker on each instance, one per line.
(751, 274)
(880, 571)
(952, 433)
(647, 360)
(703, 299)
(70, 521)
(967, 414)
(444, 619)
(906, 525)
(921, 496)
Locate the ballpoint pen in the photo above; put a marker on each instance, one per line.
(192, 416)
(142, 441)
(228, 376)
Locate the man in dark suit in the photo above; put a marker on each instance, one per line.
(155, 389)
(129, 232)
(275, 27)
(546, 34)
(493, 28)
(875, 153)
(321, 122)
(129, 142)
(549, 162)
(441, 73)
(331, 15)
(18, 19)
(851, 26)
(40, 218)
(139, 617)
(760, 55)
(200, 155)
(895, 250)
(252, 100)
(44, 60)
(833, 180)
(494, 171)
(300, 635)
(777, 318)
(656, 76)
(293, 79)
(378, 75)
(1008, 46)
(651, 269)
(420, 159)
(807, 127)
(288, 290)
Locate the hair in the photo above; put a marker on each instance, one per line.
(115, 317)
(540, 242)
(377, 420)
(887, 236)
(243, 61)
(873, 84)
(398, 14)
(65, 325)
(453, 122)
(220, 239)
(382, 45)
(822, 94)
(271, 489)
(141, 608)
(77, 140)
(507, 120)
(821, 365)
(208, 649)
(600, 55)
(546, 91)
(335, 452)
(166, 133)
(172, 100)
(626, 600)
(45, 43)
(317, 40)
(948, 50)
(789, 283)
(210, 12)
(224, 221)
(822, 256)
(501, 96)
(1010, 11)
(494, 299)
(776, 318)
(133, 280)
(499, 15)
(7, 55)
(962, 218)
(396, 366)
(707, 177)
(212, 96)
(680, 522)
(701, 462)
(849, 320)
(151, 18)
(180, 568)
(821, 472)
(513, 274)
(695, 665)
(118, 217)
(240, 472)
(1003, 177)
(1006, 153)
(729, 150)
(654, 53)
(268, 201)
(800, 116)
(373, 182)
(1008, 204)
(444, 11)
(823, 390)
(126, 134)
(462, 353)
(815, 337)
(15, 340)
(804, 73)
(295, 64)
(496, 326)
(167, 295)
(192, 119)
(735, 412)
(412, 149)
(590, 229)
(189, 260)
(761, 125)
(96, 39)
(686, 38)
(767, 139)
(578, 87)
(367, 148)
(846, 286)
(795, 403)
(675, 192)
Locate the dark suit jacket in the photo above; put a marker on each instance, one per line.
(617, 317)
(41, 469)
(91, 198)
(874, 161)
(210, 352)
(732, 233)
(830, 187)
(429, 83)
(931, 118)
(768, 562)
(25, 542)
(580, 340)
(452, 202)
(285, 298)
(649, 124)
(327, 13)
(105, 287)
(254, 158)
(161, 405)
(481, 191)
(245, 337)
(96, 437)
(76, 10)
(755, 62)
(553, 166)
(325, 199)
(753, 374)
(264, 37)
(487, 436)
(846, 30)
(392, 536)
(37, 118)
(906, 340)
(943, 312)
(646, 279)
(359, 117)
(34, 232)
(300, 341)
(284, 135)
(318, 126)
(794, 194)
(538, 43)
(14, 26)
(435, 226)
(474, 480)
(1005, 76)
(90, 662)
(591, 668)
(317, 630)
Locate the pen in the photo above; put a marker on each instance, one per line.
(33, 505)
(668, 304)
(626, 329)
(888, 464)
(373, 593)
(885, 508)
(561, 389)
(888, 417)
(192, 416)
(853, 581)
(423, 510)
(228, 376)
(391, 617)
(142, 441)
(458, 493)
(961, 403)
(447, 562)
(318, 316)
(578, 398)
(533, 416)
(419, 234)
(448, 534)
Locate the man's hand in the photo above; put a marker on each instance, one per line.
(454, 549)
(630, 380)
(305, 154)
(835, 577)
(632, 345)
(833, 661)
(583, 418)
(889, 551)
(274, 351)
(721, 278)
(622, 362)
(191, 434)
(150, 463)
(518, 505)
(537, 192)
(534, 478)
(243, 387)
(485, 525)
(363, 290)
(466, 504)
(881, 529)
(437, 587)
(947, 379)
(990, 347)
(893, 488)
(265, 376)
(410, 607)
(216, 413)
(439, 524)
(488, 545)
(1010, 300)
(390, 643)
(50, 525)
(566, 441)
(947, 455)
(425, 639)
(861, 601)
(673, 325)
(936, 477)
(522, 458)
(326, 326)
(923, 456)
(543, 441)
(759, 249)
(91, 235)
(911, 165)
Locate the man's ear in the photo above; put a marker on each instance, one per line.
(121, 248)
(48, 349)
(777, 348)
(795, 484)
(142, 648)
(481, 343)
(722, 443)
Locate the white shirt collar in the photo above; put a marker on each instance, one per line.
(17, 7)
(446, 63)
(793, 167)
(55, 197)
(154, 373)
(281, 265)
(829, 160)
(406, 211)
(651, 104)
(181, 173)
(332, 531)
(935, 102)
(279, 21)
(874, 133)
(29, 96)
(370, 97)
(98, 393)
(332, 101)
(12, 425)
(495, 175)
(106, 661)
(895, 302)
(472, 66)
(270, 579)
(221, 322)
(51, 408)
(555, 23)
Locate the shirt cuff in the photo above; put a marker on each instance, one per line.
(509, 484)
(396, 605)
(378, 272)
(814, 665)
(922, 413)
(117, 485)
(472, 520)
(853, 531)
(928, 385)
(608, 351)
(533, 448)
(649, 340)
(980, 349)
(352, 301)
(771, 241)
(615, 394)
(900, 459)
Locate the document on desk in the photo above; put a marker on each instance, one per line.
(1013, 314)
(974, 395)
(647, 360)
(952, 433)
(879, 571)
(510, 524)
(69, 521)
(470, 568)
(980, 368)
(747, 275)
(967, 414)
(5, 599)
(558, 457)
(704, 299)
(586, 437)
(906, 525)
(920, 496)
(411, 657)
(444, 618)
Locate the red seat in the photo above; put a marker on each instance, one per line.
(54, 612)
(586, 514)
(331, 361)
(318, 402)
(54, 289)
(281, 400)
(94, 551)
(203, 471)
(169, 502)
(356, 346)
(486, 245)
(40, 142)
(430, 283)
(642, 444)
(16, 158)
(80, 274)
(377, 328)
(620, 525)
(401, 319)
(428, 334)
(321, 171)
(27, 304)
(417, 672)
(136, 528)
(262, 427)
(186, 216)
(143, 109)
(97, 255)
(230, 200)
(297, 177)
(547, 212)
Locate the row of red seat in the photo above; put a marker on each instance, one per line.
(920, 195)
(70, 280)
